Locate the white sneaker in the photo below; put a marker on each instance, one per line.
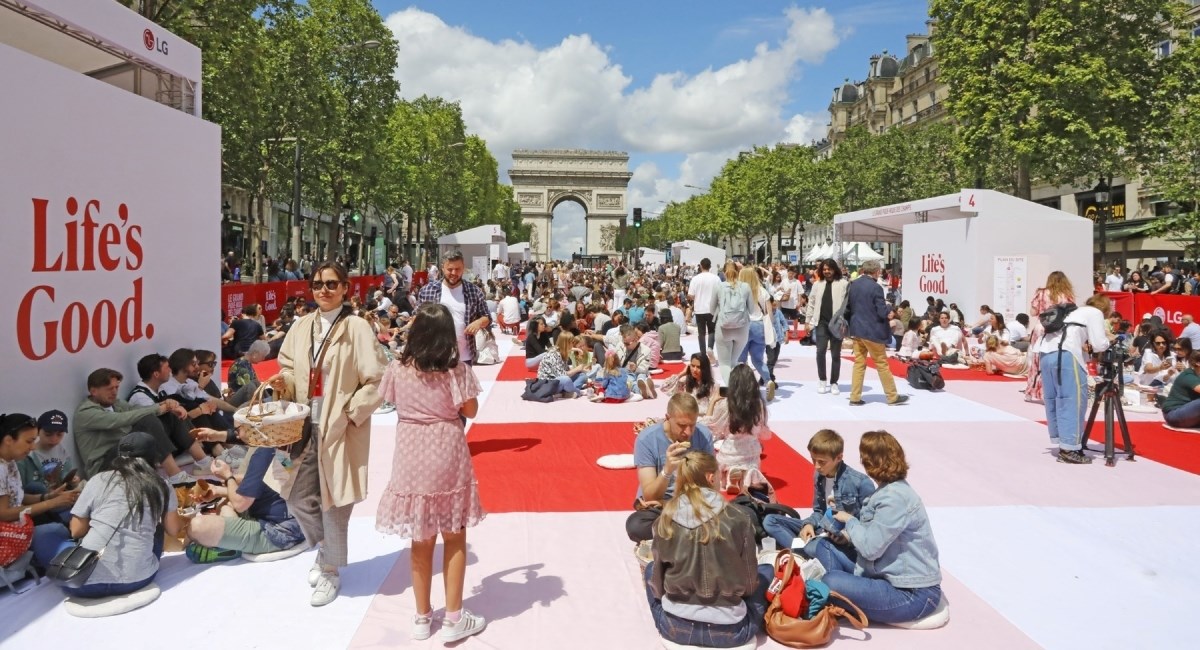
(770, 391)
(421, 625)
(833, 389)
(180, 478)
(466, 626)
(635, 398)
(326, 589)
(314, 573)
(202, 467)
(823, 387)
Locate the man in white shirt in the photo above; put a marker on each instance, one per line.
(945, 339)
(1191, 331)
(792, 290)
(466, 303)
(509, 310)
(406, 272)
(1018, 332)
(499, 272)
(1064, 375)
(1168, 281)
(700, 293)
(1114, 281)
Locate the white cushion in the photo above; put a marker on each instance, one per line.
(671, 645)
(276, 555)
(112, 605)
(616, 461)
(939, 618)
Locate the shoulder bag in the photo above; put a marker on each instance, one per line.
(813, 632)
(74, 565)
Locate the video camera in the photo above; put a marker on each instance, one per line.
(1111, 362)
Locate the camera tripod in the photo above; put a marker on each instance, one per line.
(1109, 392)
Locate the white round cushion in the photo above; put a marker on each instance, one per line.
(671, 645)
(616, 461)
(276, 555)
(112, 605)
(939, 618)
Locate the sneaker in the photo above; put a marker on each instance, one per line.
(314, 573)
(641, 386)
(207, 555)
(834, 390)
(326, 589)
(385, 408)
(634, 398)
(421, 625)
(771, 390)
(900, 399)
(644, 553)
(856, 402)
(589, 392)
(202, 467)
(1073, 457)
(182, 478)
(823, 387)
(466, 626)
(653, 392)
(596, 398)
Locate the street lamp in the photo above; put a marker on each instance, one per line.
(1102, 201)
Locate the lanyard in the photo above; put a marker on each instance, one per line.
(315, 388)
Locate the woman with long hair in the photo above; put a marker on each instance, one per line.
(762, 332)
(827, 299)
(731, 305)
(1058, 290)
(1000, 357)
(896, 578)
(554, 366)
(742, 433)
(331, 361)
(119, 513)
(18, 435)
(705, 586)
(433, 490)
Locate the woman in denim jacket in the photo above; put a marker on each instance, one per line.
(897, 578)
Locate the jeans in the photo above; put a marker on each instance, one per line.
(567, 385)
(706, 329)
(827, 342)
(1184, 417)
(876, 597)
(862, 348)
(48, 540)
(755, 350)
(580, 380)
(826, 552)
(533, 362)
(729, 348)
(711, 635)
(1065, 397)
(784, 530)
(773, 358)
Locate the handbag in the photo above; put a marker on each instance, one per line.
(15, 538)
(839, 327)
(813, 632)
(73, 565)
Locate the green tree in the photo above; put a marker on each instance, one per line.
(1174, 171)
(1063, 89)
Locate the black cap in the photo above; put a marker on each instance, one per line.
(53, 421)
(139, 444)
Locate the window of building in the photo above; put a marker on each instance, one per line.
(914, 108)
(932, 98)
(1196, 32)
(927, 74)
(1163, 49)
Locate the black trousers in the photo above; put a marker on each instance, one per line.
(640, 525)
(706, 328)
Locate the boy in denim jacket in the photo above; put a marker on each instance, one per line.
(836, 487)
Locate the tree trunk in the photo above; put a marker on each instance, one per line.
(1024, 189)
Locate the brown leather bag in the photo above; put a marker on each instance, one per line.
(814, 632)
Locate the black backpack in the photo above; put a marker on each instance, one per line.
(925, 375)
(758, 511)
(1055, 318)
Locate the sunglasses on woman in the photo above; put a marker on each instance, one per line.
(328, 285)
(1162, 343)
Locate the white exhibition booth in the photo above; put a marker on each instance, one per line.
(479, 245)
(109, 199)
(518, 252)
(652, 256)
(690, 252)
(977, 247)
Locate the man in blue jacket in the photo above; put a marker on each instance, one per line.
(868, 314)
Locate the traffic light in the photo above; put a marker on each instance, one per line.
(637, 217)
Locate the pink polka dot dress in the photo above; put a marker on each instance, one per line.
(433, 487)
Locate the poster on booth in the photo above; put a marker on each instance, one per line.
(111, 207)
(1010, 277)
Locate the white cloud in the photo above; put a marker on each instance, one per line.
(803, 128)
(572, 95)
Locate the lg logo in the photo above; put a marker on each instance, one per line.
(1169, 316)
(153, 43)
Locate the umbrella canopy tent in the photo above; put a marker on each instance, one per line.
(814, 254)
(480, 246)
(858, 252)
(977, 247)
(690, 252)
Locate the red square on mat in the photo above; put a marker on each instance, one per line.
(513, 369)
(551, 467)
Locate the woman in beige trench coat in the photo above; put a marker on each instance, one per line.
(330, 474)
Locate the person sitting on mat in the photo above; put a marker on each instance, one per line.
(741, 438)
(255, 519)
(1182, 406)
(897, 577)
(612, 383)
(705, 586)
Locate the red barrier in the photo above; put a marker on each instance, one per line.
(1171, 308)
(1124, 303)
(273, 295)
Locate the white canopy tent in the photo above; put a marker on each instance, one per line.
(977, 247)
(690, 252)
(518, 252)
(814, 254)
(653, 256)
(854, 252)
(480, 246)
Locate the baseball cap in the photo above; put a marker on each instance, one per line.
(53, 421)
(1147, 316)
(139, 444)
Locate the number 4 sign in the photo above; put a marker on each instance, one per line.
(968, 200)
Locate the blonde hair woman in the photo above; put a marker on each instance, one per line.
(704, 586)
(762, 332)
(1058, 290)
(731, 306)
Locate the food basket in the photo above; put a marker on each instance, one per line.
(270, 424)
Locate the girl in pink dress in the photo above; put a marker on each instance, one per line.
(433, 488)
(739, 442)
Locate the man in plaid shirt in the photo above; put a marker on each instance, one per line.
(464, 300)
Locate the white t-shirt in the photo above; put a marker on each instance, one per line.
(454, 300)
(678, 317)
(139, 398)
(951, 336)
(1093, 331)
(1017, 331)
(701, 289)
(1149, 358)
(1114, 282)
(500, 272)
(510, 308)
(796, 289)
(188, 389)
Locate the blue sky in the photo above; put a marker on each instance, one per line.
(681, 86)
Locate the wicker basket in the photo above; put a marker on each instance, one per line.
(273, 424)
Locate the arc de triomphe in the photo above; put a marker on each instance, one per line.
(596, 180)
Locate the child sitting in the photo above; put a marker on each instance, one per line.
(612, 386)
(836, 488)
(740, 446)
